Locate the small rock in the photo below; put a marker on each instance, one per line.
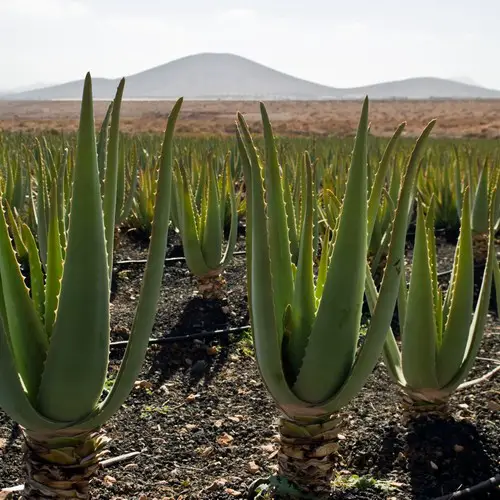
(225, 439)
(253, 468)
(109, 480)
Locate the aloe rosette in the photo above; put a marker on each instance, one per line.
(199, 212)
(440, 333)
(54, 337)
(305, 332)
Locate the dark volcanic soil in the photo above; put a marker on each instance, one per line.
(205, 426)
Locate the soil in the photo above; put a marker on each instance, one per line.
(205, 426)
(455, 118)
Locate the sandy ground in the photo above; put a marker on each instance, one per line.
(454, 118)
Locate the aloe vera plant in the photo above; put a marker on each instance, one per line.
(440, 335)
(199, 212)
(54, 337)
(306, 332)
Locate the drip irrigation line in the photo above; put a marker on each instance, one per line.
(215, 333)
(449, 271)
(489, 484)
(167, 260)
(182, 258)
(180, 338)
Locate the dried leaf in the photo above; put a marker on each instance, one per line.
(225, 439)
(253, 468)
(233, 493)
(109, 480)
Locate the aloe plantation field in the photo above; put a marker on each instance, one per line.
(248, 316)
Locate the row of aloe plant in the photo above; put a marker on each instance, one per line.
(448, 167)
(55, 290)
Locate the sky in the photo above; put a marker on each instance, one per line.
(342, 44)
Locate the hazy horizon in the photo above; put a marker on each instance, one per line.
(360, 43)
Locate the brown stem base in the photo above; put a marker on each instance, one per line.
(414, 406)
(212, 287)
(308, 454)
(60, 467)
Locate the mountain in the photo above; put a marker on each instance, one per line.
(465, 79)
(228, 76)
(24, 88)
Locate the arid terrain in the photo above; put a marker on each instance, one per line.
(471, 118)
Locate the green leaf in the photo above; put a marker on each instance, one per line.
(24, 327)
(279, 244)
(111, 176)
(150, 290)
(378, 184)
(480, 210)
(369, 352)
(77, 359)
(332, 344)
(36, 274)
(267, 329)
(419, 334)
(14, 400)
(212, 236)
(54, 265)
(303, 303)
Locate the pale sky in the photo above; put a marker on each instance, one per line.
(342, 44)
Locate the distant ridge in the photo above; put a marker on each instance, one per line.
(228, 76)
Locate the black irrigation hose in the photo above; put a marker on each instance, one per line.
(241, 252)
(167, 260)
(482, 487)
(180, 338)
(216, 333)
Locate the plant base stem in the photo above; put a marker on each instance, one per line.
(60, 467)
(308, 454)
(212, 287)
(415, 406)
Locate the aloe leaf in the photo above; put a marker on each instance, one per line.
(392, 356)
(378, 183)
(54, 265)
(14, 400)
(111, 176)
(20, 247)
(369, 352)
(279, 243)
(41, 210)
(303, 303)
(267, 328)
(480, 314)
(292, 224)
(247, 176)
(102, 144)
(24, 326)
(419, 336)
(480, 209)
(212, 236)
(76, 365)
(332, 344)
(151, 285)
(456, 333)
(36, 273)
(190, 237)
(323, 265)
(129, 200)
(233, 231)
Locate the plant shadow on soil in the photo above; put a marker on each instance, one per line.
(431, 464)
